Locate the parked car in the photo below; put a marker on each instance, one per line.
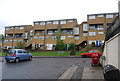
(17, 55)
(90, 53)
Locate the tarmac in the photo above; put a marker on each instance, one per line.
(74, 72)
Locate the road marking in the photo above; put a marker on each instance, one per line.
(68, 73)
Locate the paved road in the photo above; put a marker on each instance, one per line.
(41, 68)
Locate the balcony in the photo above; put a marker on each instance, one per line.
(19, 36)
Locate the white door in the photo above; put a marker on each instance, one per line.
(49, 46)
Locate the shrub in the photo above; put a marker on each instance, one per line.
(20, 45)
(72, 46)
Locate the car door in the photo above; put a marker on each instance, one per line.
(20, 54)
(25, 53)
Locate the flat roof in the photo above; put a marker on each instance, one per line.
(17, 26)
(103, 14)
(55, 20)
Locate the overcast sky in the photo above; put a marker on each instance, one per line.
(24, 12)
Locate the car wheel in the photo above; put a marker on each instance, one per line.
(30, 58)
(7, 60)
(16, 60)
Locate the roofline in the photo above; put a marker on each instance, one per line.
(103, 13)
(17, 26)
(55, 20)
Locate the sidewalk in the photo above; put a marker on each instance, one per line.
(83, 73)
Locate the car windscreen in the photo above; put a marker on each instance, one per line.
(11, 51)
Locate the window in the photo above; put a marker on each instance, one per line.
(100, 32)
(42, 23)
(41, 38)
(85, 27)
(7, 28)
(109, 16)
(76, 37)
(15, 40)
(35, 37)
(48, 22)
(76, 31)
(62, 37)
(99, 27)
(47, 37)
(55, 22)
(92, 28)
(24, 51)
(10, 40)
(70, 20)
(84, 34)
(92, 33)
(21, 28)
(16, 27)
(91, 17)
(37, 23)
(70, 36)
(6, 41)
(100, 15)
(54, 37)
(19, 51)
(62, 22)
(20, 41)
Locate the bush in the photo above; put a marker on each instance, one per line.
(60, 46)
(72, 46)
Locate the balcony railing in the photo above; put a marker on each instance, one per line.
(113, 29)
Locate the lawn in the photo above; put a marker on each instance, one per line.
(48, 53)
(54, 53)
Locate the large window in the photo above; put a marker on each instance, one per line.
(62, 37)
(41, 38)
(62, 22)
(76, 37)
(76, 31)
(109, 16)
(100, 32)
(92, 28)
(48, 22)
(92, 33)
(54, 37)
(99, 27)
(42, 23)
(84, 34)
(85, 27)
(100, 15)
(91, 17)
(21, 28)
(55, 22)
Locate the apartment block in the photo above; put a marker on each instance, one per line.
(16, 34)
(43, 34)
(97, 27)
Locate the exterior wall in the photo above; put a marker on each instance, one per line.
(112, 52)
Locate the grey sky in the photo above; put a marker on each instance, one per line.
(24, 12)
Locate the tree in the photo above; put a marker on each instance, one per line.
(1, 37)
(60, 44)
(20, 45)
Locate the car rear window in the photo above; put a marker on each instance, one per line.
(95, 51)
(91, 51)
(11, 51)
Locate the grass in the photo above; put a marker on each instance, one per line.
(54, 53)
(48, 53)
